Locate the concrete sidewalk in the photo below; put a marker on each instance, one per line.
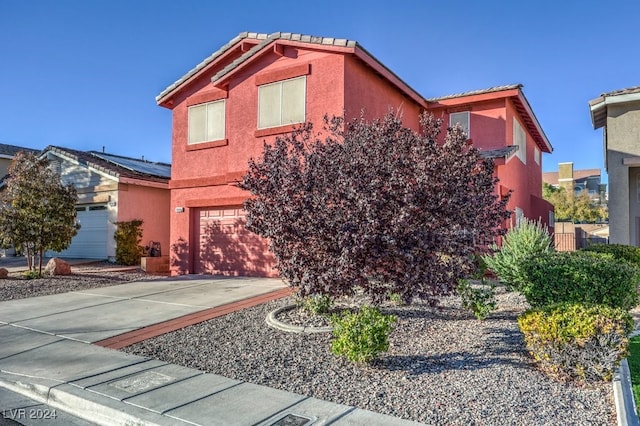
(46, 355)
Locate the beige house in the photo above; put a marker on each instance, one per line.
(618, 113)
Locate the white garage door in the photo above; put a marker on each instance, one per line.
(91, 240)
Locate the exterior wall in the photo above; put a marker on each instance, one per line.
(491, 127)
(149, 204)
(369, 94)
(623, 141)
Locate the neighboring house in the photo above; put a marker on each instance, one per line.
(577, 181)
(259, 86)
(7, 152)
(618, 113)
(111, 189)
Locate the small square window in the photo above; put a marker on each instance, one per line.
(207, 122)
(461, 118)
(282, 103)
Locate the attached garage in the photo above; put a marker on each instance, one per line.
(91, 240)
(224, 245)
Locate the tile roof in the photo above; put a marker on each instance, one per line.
(626, 91)
(477, 92)
(11, 150)
(118, 166)
(264, 40)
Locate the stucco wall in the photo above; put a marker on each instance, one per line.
(623, 141)
(152, 205)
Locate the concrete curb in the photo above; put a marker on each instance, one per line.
(623, 397)
(272, 321)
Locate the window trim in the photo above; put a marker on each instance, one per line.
(215, 142)
(281, 83)
(468, 114)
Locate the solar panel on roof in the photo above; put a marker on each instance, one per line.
(141, 166)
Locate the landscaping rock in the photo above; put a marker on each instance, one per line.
(4, 273)
(57, 266)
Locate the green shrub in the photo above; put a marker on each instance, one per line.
(128, 236)
(580, 277)
(317, 304)
(361, 336)
(618, 251)
(574, 341)
(527, 240)
(479, 298)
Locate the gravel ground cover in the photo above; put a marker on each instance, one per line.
(83, 277)
(444, 367)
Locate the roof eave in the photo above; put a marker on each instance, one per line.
(543, 137)
(598, 106)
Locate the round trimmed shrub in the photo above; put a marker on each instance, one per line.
(580, 277)
(574, 341)
(362, 335)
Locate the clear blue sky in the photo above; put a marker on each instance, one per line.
(84, 73)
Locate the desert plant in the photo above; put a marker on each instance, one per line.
(375, 206)
(580, 277)
(317, 304)
(479, 298)
(362, 335)
(128, 237)
(577, 341)
(528, 239)
(618, 251)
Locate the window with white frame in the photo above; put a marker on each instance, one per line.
(536, 155)
(207, 122)
(520, 140)
(461, 118)
(519, 215)
(282, 102)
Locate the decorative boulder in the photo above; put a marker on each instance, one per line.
(4, 273)
(57, 266)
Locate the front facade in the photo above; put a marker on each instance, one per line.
(618, 114)
(260, 86)
(112, 189)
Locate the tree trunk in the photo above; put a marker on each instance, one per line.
(40, 254)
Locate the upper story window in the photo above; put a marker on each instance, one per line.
(207, 122)
(520, 140)
(536, 155)
(282, 102)
(461, 118)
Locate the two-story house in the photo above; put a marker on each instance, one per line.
(259, 86)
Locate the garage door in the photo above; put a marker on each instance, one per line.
(91, 240)
(226, 247)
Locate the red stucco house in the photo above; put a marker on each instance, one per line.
(259, 86)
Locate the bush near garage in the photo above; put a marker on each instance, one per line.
(128, 238)
(580, 277)
(575, 341)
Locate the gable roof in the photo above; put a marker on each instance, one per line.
(9, 151)
(552, 177)
(123, 168)
(255, 44)
(515, 94)
(598, 106)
